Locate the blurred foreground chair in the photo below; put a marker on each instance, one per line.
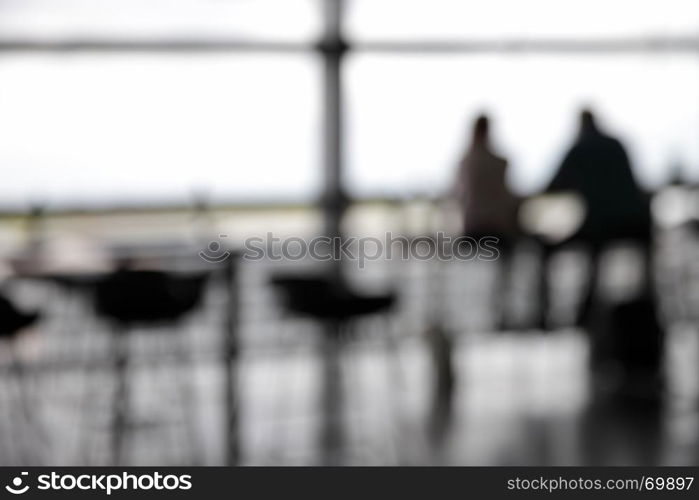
(12, 320)
(337, 308)
(130, 299)
(12, 323)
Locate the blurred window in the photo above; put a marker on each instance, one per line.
(409, 117)
(130, 123)
(96, 128)
(458, 19)
(289, 20)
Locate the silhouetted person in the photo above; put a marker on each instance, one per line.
(488, 207)
(597, 169)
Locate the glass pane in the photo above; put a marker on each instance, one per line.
(147, 128)
(409, 117)
(442, 19)
(56, 19)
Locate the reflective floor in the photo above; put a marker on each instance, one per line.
(520, 397)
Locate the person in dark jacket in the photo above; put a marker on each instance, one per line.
(598, 170)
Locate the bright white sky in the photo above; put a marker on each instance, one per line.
(410, 117)
(87, 128)
(392, 19)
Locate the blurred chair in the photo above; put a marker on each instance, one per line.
(12, 320)
(324, 299)
(139, 298)
(332, 303)
(12, 323)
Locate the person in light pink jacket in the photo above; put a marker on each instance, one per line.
(488, 207)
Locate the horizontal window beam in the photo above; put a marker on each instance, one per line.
(597, 45)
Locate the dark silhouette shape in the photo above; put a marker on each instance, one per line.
(321, 298)
(627, 344)
(130, 298)
(331, 302)
(621, 430)
(488, 206)
(12, 320)
(622, 424)
(597, 169)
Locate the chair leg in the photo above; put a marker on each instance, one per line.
(31, 455)
(591, 290)
(331, 437)
(121, 397)
(188, 401)
(542, 311)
